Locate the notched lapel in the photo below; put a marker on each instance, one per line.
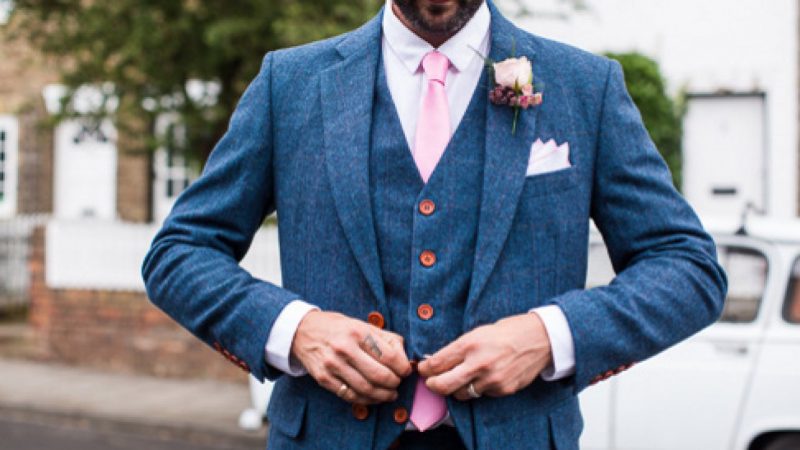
(506, 161)
(347, 91)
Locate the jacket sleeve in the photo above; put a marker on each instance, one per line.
(669, 284)
(192, 269)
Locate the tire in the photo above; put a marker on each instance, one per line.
(785, 442)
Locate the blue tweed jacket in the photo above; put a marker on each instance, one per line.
(299, 142)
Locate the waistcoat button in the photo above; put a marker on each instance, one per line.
(427, 207)
(425, 311)
(376, 318)
(360, 412)
(400, 415)
(427, 258)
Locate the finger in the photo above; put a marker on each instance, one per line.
(450, 381)
(462, 394)
(376, 373)
(443, 360)
(362, 387)
(392, 353)
(344, 392)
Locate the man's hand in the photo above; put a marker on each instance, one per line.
(499, 359)
(353, 359)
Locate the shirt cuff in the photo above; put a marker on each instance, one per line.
(561, 344)
(279, 343)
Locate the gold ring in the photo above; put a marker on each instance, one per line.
(342, 390)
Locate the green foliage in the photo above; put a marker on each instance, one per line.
(148, 50)
(662, 115)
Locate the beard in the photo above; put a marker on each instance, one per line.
(438, 19)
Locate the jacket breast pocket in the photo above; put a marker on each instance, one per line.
(551, 182)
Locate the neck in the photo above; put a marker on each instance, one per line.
(435, 39)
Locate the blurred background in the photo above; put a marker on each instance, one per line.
(108, 110)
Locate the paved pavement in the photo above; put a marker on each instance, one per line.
(31, 432)
(83, 407)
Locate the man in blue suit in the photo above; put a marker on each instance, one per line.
(433, 240)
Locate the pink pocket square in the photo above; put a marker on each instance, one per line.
(547, 157)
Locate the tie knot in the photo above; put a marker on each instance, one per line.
(435, 66)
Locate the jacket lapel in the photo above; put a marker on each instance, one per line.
(506, 159)
(347, 91)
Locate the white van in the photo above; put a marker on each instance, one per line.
(735, 385)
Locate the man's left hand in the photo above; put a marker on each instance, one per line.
(499, 359)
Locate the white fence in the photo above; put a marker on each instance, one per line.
(15, 249)
(107, 255)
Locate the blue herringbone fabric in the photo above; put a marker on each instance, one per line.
(300, 142)
(402, 232)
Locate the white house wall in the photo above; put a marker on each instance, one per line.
(704, 46)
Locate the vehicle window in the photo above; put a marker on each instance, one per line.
(747, 277)
(791, 307)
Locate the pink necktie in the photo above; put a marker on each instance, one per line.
(433, 123)
(433, 133)
(428, 408)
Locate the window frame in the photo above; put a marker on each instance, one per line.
(787, 296)
(9, 168)
(752, 250)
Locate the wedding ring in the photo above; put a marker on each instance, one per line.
(342, 390)
(471, 391)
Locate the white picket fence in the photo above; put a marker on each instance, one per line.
(15, 249)
(107, 255)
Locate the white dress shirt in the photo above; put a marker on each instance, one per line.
(402, 56)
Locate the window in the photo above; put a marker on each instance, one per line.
(791, 306)
(172, 172)
(747, 271)
(8, 166)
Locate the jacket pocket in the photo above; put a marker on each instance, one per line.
(551, 182)
(286, 409)
(566, 425)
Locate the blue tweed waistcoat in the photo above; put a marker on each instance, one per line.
(403, 232)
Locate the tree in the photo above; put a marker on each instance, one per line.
(147, 51)
(662, 116)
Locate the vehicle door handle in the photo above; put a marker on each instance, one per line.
(732, 349)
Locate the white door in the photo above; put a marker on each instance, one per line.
(9, 152)
(85, 170)
(724, 153)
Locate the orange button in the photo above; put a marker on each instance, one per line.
(427, 258)
(360, 412)
(425, 311)
(400, 415)
(376, 318)
(427, 207)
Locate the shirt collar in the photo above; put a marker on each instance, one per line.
(459, 49)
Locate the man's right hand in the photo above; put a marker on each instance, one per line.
(351, 358)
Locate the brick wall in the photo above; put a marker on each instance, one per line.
(134, 185)
(119, 331)
(35, 191)
(24, 73)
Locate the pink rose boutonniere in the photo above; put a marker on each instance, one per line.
(513, 85)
